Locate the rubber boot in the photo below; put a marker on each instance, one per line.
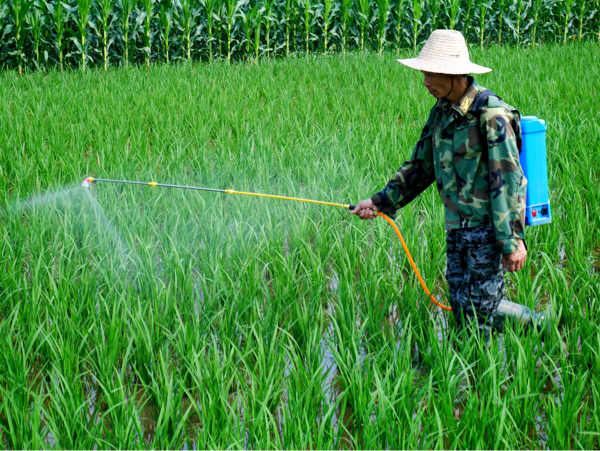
(522, 314)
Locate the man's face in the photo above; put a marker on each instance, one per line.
(438, 85)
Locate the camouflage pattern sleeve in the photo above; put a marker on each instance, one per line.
(507, 183)
(413, 177)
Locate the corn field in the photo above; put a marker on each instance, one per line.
(40, 34)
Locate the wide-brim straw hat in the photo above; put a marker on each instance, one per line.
(445, 52)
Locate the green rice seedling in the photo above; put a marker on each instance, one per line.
(262, 383)
(364, 20)
(36, 21)
(166, 21)
(147, 17)
(125, 21)
(565, 408)
(19, 10)
(21, 396)
(105, 19)
(383, 13)
(167, 405)
(82, 20)
(215, 385)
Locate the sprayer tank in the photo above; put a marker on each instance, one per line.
(535, 167)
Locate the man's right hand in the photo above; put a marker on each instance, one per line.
(366, 210)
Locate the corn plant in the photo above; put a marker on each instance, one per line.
(453, 12)
(269, 18)
(124, 17)
(82, 20)
(364, 15)
(568, 4)
(399, 23)
(19, 10)
(166, 23)
(257, 16)
(346, 17)
(537, 5)
(186, 17)
(434, 14)
(246, 20)
(210, 10)
(328, 14)
(483, 7)
(583, 5)
(105, 20)
(469, 12)
(417, 9)
(59, 15)
(230, 15)
(288, 19)
(146, 17)
(36, 21)
(500, 12)
(308, 21)
(519, 7)
(383, 13)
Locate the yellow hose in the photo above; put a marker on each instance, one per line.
(390, 222)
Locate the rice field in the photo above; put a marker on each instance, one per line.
(137, 317)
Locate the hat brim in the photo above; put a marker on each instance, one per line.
(441, 67)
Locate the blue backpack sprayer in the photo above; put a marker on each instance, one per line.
(533, 162)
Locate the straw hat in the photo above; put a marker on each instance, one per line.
(445, 52)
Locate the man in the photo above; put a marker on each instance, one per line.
(470, 148)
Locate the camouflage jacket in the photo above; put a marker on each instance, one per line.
(474, 160)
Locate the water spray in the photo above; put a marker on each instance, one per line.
(506, 309)
(90, 180)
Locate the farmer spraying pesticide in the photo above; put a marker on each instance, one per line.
(470, 148)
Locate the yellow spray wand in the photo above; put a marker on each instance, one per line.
(88, 181)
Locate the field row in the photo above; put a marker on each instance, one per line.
(38, 34)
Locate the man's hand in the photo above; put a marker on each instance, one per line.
(365, 209)
(515, 261)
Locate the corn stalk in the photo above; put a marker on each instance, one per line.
(568, 5)
(84, 9)
(210, 8)
(434, 10)
(537, 5)
(329, 10)
(166, 22)
(399, 22)
(59, 15)
(500, 7)
(258, 16)
(308, 21)
(230, 15)
(186, 16)
(148, 6)
(36, 22)
(288, 18)
(582, 9)
(19, 10)
(383, 13)
(417, 8)
(483, 7)
(453, 13)
(106, 18)
(364, 14)
(125, 12)
(468, 17)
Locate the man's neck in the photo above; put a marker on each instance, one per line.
(461, 85)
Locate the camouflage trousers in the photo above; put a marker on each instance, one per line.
(475, 276)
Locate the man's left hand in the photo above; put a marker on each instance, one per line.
(515, 261)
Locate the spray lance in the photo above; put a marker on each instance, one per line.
(506, 308)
